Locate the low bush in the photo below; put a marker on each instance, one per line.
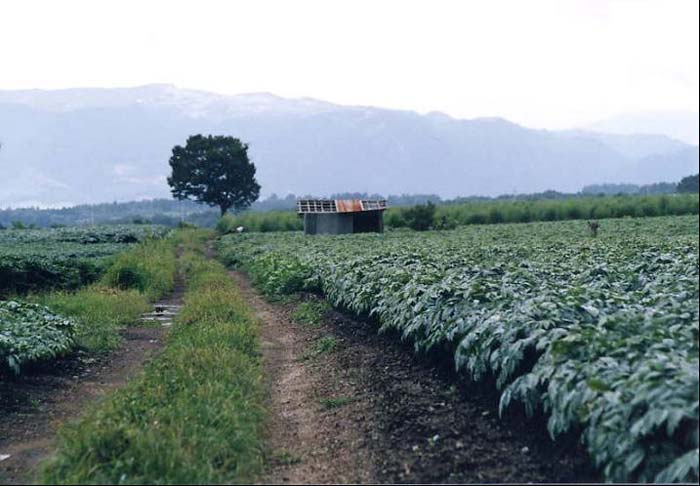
(420, 217)
(149, 267)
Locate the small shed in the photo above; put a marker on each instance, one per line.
(338, 216)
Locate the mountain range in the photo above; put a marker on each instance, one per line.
(65, 147)
(682, 125)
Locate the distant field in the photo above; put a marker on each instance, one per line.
(602, 207)
(598, 333)
(496, 211)
(35, 259)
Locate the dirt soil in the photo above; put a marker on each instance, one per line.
(35, 404)
(306, 444)
(369, 411)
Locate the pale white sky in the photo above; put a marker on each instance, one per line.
(547, 64)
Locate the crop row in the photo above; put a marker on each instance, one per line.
(56, 322)
(496, 211)
(117, 233)
(600, 334)
(62, 257)
(31, 332)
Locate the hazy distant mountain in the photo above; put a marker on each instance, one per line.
(94, 145)
(681, 125)
(633, 145)
(674, 163)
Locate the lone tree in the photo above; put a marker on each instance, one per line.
(214, 170)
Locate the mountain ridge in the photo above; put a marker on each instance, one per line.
(108, 144)
(680, 125)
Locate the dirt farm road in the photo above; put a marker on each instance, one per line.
(364, 410)
(368, 411)
(34, 405)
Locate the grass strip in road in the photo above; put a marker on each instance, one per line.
(194, 415)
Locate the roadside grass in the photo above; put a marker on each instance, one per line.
(192, 240)
(100, 312)
(141, 274)
(150, 268)
(311, 312)
(194, 415)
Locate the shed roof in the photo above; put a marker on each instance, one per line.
(340, 205)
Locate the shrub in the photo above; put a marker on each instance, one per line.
(393, 218)
(149, 267)
(420, 217)
(444, 222)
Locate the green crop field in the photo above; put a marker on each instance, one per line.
(36, 259)
(30, 332)
(42, 326)
(600, 334)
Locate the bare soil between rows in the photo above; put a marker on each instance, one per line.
(371, 412)
(35, 404)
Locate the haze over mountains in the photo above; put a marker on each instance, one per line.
(682, 125)
(96, 145)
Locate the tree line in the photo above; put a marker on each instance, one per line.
(216, 171)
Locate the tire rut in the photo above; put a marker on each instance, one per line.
(34, 405)
(306, 444)
(393, 418)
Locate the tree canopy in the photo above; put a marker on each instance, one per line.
(420, 217)
(689, 184)
(214, 170)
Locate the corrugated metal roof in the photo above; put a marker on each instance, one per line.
(340, 205)
(348, 205)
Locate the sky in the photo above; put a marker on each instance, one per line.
(544, 64)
